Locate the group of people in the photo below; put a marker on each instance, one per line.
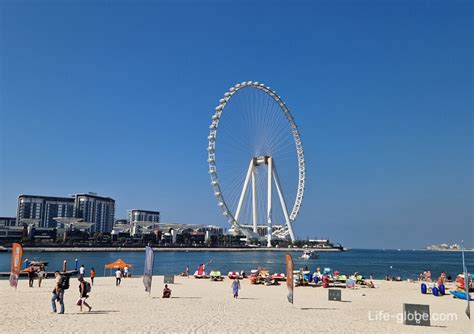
(121, 273)
(61, 284)
(38, 272)
(82, 272)
(425, 276)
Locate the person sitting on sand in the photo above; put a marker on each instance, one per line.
(427, 275)
(370, 284)
(185, 273)
(441, 279)
(421, 276)
(166, 292)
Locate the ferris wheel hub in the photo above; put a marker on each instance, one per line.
(261, 160)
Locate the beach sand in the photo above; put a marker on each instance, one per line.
(202, 306)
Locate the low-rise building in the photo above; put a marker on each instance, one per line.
(7, 221)
(138, 216)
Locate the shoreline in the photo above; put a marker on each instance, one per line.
(174, 249)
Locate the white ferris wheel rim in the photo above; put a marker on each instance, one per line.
(211, 148)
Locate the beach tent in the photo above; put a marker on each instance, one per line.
(120, 264)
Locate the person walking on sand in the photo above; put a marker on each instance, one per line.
(118, 277)
(92, 274)
(41, 274)
(235, 287)
(84, 288)
(82, 270)
(58, 293)
(125, 272)
(31, 277)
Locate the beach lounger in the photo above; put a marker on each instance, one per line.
(200, 274)
(215, 276)
(234, 274)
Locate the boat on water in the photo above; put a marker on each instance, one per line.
(310, 254)
(37, 263)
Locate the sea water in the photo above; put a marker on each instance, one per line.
(379, 263)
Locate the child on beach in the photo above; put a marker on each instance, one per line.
(83, 290)
(92, 273)
(235, 287)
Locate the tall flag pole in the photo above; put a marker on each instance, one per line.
(17, 253)
(466, 283)
(148, 273)
(289, 276)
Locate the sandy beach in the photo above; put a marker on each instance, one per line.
(201, 306)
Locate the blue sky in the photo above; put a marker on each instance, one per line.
(117, 99)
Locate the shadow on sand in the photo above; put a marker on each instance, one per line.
(98, 312)
(178, 298)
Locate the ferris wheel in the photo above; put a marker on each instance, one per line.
(251, 134)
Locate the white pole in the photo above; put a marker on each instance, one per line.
(244, 191)
(254, 199)
(269, 201)
(283, 203)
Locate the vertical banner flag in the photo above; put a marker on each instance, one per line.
(466, 283)
(289, 277)
(148, 273)
(17, 253)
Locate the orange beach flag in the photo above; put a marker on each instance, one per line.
(17, 253)
(289, 276)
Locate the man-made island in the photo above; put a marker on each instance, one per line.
(447, 248)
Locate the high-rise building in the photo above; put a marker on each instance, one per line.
(41, 210)
(137, 216)
(95, 209)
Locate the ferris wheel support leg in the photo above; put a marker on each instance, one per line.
(269, 201)
(283, 203)
(254, 199)
(244, 191)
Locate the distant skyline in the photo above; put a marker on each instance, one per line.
(117, 99)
